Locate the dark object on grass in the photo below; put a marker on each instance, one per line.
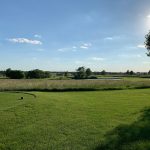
(21, 98)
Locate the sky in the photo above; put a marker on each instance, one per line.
(61, 35)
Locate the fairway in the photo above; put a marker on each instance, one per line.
(75, 120)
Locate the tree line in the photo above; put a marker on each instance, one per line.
(80, 73)
(19, 74)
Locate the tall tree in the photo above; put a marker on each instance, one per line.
(147, 43)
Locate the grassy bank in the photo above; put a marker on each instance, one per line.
(71, 85)
(99, 120)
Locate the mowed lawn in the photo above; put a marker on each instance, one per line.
(94, 120)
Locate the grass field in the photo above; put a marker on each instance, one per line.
(96, 120)
(72, 85)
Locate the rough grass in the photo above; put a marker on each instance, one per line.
(71, 85)
(99, 120)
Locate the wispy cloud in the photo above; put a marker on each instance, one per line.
(89, 60)
(85, 45)
(130, 56)
(141, 46)
(63, 49)
(76, 47)
(37, 36)
(112, 38)
(25, 40)
(97, 58)
(108, 38)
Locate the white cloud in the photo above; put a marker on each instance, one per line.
(74, 47)
(97, 58)
(108, 38)
(141, 46)
(85, 45)
(25, 40)
(37, 36)
(148, 16)
(68, 49)
(63, 49)
(130, 56)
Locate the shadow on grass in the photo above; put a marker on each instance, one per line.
(135, 136)
(62, 90)
(21, 92)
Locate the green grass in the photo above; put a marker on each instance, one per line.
(99, 120)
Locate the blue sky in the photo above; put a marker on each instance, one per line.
(62, 35)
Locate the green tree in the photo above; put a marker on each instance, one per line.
(147, 43)
(80, 74)
(36, 74)
(66, 74)
(131, 72)
(8, 71)
(128, 72)
(103, 72)
(14, 74)
(88, 72)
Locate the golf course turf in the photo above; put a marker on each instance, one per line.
(96, 120)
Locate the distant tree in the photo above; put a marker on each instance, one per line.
(88, 72)
(66, 74)
(80, 74)
(36, 74)
(47, 74)
(8, 72)
(15, 74)
(149, 72)
(2, 73)
(103, 72)
(128, 72)
(147, 43)
(131, 72)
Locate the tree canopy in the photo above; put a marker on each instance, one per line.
(15, 74)
(83, 73)
(147, 43)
